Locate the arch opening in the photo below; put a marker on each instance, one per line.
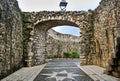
(60, 43)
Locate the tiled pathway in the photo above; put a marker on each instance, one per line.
(62, 70)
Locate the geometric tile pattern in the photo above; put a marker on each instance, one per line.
(62, 70)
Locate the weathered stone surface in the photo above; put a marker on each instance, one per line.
(58, 43)
(41, 22)
(10, 37)
(99, 40)
(106, 33)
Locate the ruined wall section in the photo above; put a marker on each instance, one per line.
(63, 37)
(58, 43)
(87, 40)
(106, 32)
(10, 37)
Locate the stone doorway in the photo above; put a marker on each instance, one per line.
(42, 38)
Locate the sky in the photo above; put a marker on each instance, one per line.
(68, 30)
(53, 5)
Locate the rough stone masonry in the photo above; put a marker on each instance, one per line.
(23, 35)
(58, 43)
(11, 47)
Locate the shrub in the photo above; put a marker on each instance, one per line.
(74, 54)
(66, 54)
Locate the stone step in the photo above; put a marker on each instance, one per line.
(97, 73)
(25, 74)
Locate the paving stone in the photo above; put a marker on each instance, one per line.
(62, 70)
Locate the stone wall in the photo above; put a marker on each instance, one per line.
(106, 31)
(10, 37)
(58, 43)
(41, 22)
(104, 24)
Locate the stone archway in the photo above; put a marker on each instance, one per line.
(41, 35)
(40, 22)
(102, 24)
